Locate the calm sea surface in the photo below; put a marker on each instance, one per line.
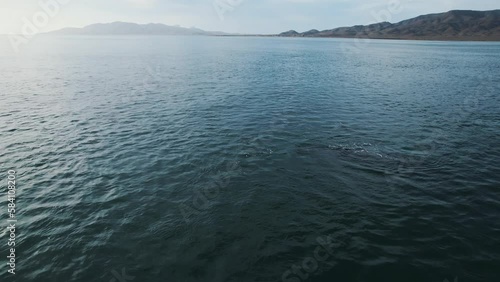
(251, 159)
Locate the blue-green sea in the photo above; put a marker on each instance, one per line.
(184, 158)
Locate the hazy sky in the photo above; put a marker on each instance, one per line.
(245, 16)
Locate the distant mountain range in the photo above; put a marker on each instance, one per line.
(453, 25)
(123, 28)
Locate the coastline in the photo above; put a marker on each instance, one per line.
(457, 39)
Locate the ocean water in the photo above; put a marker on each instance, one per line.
(251, 159)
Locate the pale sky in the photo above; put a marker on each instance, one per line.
(242, 16)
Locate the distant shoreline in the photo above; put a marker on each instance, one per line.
(375, 38)
(278, 36)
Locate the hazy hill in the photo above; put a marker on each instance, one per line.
(122, 28)
(452, 25)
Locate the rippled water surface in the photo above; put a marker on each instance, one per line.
(247, 159)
